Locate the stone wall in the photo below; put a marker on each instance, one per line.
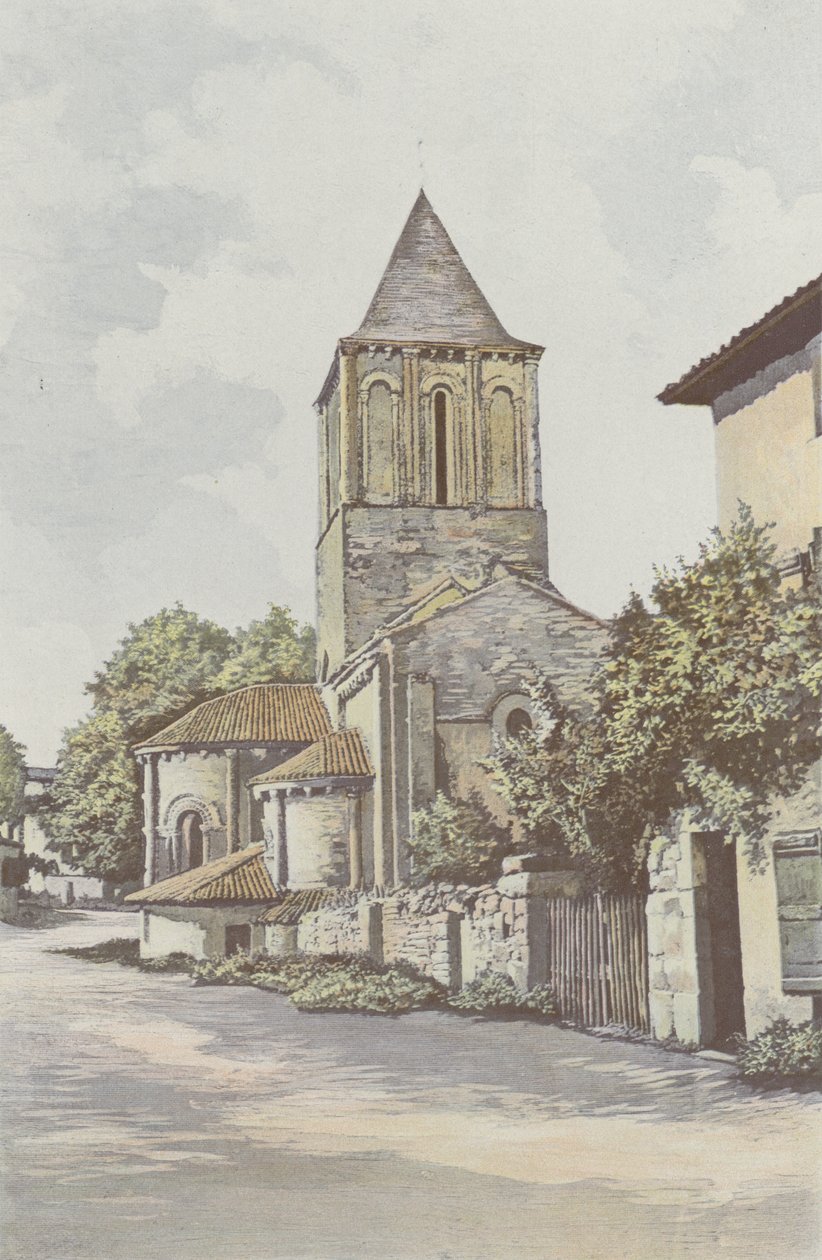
(452, 933)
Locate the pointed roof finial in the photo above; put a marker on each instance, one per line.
(428, 294)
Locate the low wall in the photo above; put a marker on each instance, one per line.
(451, 932)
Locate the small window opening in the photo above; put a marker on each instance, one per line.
(440, 448)
(517, 723)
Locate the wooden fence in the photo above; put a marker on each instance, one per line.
(598, 959)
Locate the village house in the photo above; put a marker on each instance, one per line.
(65, 883)
(732, 949)
(434, 610)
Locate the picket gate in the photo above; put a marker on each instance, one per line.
(598, 959)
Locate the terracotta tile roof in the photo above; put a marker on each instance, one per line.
(428, 294)
(297, 902)
(241, 878)
(340, 755)
(270, 713)
(783, 330)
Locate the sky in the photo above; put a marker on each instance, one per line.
(198, 197)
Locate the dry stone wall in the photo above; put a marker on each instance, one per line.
(452, 933)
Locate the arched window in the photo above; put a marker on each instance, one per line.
(190, 831)
(324, 668)
(517, 723)
(379, 444)
(503, 473)
(440, 447)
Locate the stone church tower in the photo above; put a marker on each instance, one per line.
(429, 447)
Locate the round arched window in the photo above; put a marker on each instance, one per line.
(517, 723)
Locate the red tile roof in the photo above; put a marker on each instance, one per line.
(340, 755)
(269, 713)
(785, 329)
(241, 878)
(295, 903)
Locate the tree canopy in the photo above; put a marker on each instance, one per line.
(96, 813)
(275, 649)
(164, 665)
(711, 703)
(12, 776)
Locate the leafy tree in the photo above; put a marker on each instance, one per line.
(273, 650)
(457, 841)
(162, 667)
(12, 776)
(711, 704)
(96, 817)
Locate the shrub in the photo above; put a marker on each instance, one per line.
(225, 969)
(392, 990)
(495, 994)
(491, 991)
(120, 949)
(177, 961)
(457, 841)
(783, 1050)
(541, 1001)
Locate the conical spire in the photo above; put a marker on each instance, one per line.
(428, 294)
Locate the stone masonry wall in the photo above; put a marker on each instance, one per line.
(452, 933)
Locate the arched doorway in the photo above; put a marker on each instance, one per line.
(190, 832)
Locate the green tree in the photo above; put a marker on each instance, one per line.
(12, 776)
(96, 817)
(273, 650)
(457, 841)
(711, 704)
(163, 666)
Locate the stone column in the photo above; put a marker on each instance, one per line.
(281, 845)
(473, 481)
(232, 799)
(533, 464)
(151, 802)
(325, 504)
(383, 797)
(408, 445)
(349, 436)
(355, 840)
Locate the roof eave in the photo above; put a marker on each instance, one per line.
(714, 375)
(331, 781)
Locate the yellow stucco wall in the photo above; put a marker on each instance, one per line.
(769, 457)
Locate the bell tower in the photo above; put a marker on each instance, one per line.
(429, 447)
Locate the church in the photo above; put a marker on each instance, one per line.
(435, 610)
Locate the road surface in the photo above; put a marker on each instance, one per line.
(143, 1117)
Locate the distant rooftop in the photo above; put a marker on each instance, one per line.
(786, 328)
(41, 774)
